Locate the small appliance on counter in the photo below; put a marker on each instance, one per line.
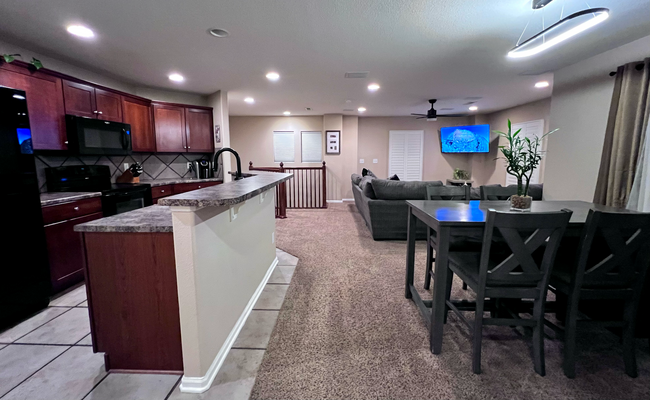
(116, 198)
(201, 169)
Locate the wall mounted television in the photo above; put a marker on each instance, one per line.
(465, 139)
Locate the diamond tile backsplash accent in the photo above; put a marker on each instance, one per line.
(156, 166)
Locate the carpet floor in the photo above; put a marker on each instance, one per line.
(346, 331)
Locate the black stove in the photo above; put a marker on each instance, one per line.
(117, 198)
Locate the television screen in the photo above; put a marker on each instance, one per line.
(465, 139)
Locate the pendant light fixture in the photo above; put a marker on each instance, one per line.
(559, 32)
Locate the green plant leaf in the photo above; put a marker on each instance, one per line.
(36, 63)
(10, 57)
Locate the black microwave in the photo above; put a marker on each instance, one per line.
(97, 137)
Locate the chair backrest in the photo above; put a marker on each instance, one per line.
(448, 192)
(524, 234)
(497, 192)
(614, 250)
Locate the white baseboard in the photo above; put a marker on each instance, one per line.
(347, 200)
(202, 384)
(339, 201)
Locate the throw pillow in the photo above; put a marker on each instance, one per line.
(394, 178)
(366, 187)
(356, 178)
(367, 172)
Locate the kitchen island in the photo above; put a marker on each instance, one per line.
(170, 286)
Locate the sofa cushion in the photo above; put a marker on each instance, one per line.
(394, 178)
(366, 187)
(356, 178)
(367, 172)
(401, 190)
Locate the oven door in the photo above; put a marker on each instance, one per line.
(121, 201)
(97, 137)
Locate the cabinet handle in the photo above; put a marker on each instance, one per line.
(66, 142)
(162, 191)
(76, 208)
(199, 186)
(95, 112)
(188, 147)
(99, 112)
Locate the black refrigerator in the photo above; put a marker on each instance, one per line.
(25, 277)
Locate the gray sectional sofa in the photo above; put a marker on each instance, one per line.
(382, 203)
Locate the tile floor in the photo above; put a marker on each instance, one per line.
(49, 356)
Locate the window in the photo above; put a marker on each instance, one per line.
(405, 154)
(529, 129)
(283, 146)
(312, 147)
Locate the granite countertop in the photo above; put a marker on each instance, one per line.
(148, 219)
(162, 182)
(54, 198)
(229, 193)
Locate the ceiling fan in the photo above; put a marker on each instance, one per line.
(432, 114)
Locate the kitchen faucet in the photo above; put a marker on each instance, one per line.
(215, 163)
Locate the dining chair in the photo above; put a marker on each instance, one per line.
(611, 264)
(497, 192)
(512, 272)
(441, 193)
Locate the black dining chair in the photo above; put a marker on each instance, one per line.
(610, 264)
(441, 193)
(497, 192)
(511, 272)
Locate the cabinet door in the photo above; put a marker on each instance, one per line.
(199, 130)
(137, 113)
(79, 99)
(44, 104)
(170, 128)
(109, 105)
(65, 251)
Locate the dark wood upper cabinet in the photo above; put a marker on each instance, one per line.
(137, 113)
(44, 103)
(170, 128)
(79, 99)
(109, 105)
(198, 124)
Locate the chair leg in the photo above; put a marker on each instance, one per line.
(629, 355)
(478, 336)
(450, 280)
(538, 338)
(570, 328)
(464, 286)
(429, 267)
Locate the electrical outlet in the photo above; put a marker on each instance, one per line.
(375, 161)
(189, 165)
(126, 166)
(362, 161)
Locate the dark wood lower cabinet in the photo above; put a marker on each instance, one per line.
(66, 252)
(133, 300)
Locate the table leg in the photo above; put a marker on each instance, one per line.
(410, 253)
(439, 291)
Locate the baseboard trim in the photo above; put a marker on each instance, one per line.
(347, 200)
(335, 201)
(202, 384)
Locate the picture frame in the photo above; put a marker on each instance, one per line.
(332, 142)
(217, 134)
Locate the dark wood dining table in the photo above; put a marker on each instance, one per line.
(465, 218)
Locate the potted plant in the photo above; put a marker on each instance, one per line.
(523, 155)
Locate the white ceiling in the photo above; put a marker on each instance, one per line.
(415, 49)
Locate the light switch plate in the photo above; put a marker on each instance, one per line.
(375, 161)
(362, 161)
(189, 165)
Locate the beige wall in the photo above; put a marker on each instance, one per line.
(104, 79)
(580, 104)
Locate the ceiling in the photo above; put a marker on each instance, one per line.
(415, 49)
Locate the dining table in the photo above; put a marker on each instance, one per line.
(447, 218)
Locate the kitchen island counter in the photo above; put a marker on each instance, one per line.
(55, 198)
(148, 219)
(176, 181)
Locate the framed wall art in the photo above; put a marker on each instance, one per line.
(333, 142)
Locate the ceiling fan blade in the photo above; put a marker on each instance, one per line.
(421, 115)
(453, 115)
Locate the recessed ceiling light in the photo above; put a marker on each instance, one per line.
(542, 84)
(176, 77)
(81, 31)
(473, 108)
(220, 33)
(287, 113)
(249, 100)
(273, 76)
(373, 87)
(361, 109)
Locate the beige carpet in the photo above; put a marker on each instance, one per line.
(346, 331)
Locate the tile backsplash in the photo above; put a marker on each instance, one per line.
(156, 166)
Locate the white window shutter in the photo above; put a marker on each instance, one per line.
(283, 146)
(530, 129)
(405, 154)
(312, 147)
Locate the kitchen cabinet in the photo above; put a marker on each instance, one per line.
(169, 121)
(44, 103)
(137, 113)
(159, 192)
(65, 247)
(88, 101)
(198, 124)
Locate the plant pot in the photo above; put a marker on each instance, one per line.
(520, 203)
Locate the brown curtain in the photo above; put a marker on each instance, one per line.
(626, 127)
